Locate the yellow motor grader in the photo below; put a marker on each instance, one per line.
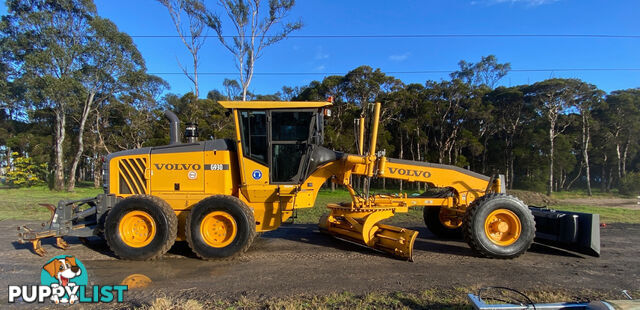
(218, 194)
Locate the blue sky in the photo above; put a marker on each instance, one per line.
(321, 56)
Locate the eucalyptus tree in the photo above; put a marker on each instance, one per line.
(624, 119)
(553, 98)
(486, 72)
(588, 97)
(256, 26)
(450, 101)
(191, 32)
(49, 44)
(510, 114)
(110, 68)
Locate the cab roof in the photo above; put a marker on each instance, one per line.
(274, 104)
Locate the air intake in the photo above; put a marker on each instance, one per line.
(132, 180)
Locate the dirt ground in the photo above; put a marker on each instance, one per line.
(297, 259)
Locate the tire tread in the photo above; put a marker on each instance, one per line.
(172, 221)
(252, 228)
(473, 242)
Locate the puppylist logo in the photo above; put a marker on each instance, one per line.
(63, 279)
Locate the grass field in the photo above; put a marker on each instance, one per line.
(581, 193)
(437, 298)
(22, 204)
(607, 214)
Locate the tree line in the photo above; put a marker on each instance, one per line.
(74, 88)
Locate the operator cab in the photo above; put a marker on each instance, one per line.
(286, 137)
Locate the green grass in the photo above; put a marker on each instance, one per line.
(581, 193)
(312, 215)
(22, 203)
(607, 214)
(434, 298)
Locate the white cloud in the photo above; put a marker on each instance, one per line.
(399, 57)
(320, 54)
(320, 68)
(525, 2)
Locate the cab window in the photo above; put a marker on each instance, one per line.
(254, 135)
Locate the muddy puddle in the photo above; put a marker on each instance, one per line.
(161, 273)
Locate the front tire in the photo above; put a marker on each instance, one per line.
(220, 227)
(441, 224)
(141, 227)
(499, 226)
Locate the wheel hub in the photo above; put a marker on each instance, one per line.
(137, 229)
(503, 227)
(218, 229)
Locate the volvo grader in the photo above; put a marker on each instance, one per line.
(219, 194)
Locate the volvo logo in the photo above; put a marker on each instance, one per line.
(410, 172)
(178, 166)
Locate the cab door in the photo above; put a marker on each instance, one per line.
(289, 144)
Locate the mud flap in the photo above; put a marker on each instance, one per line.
(574, 231)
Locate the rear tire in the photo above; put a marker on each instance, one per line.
(220, 227)
(499, 226)
(434, 223)
(141, 227)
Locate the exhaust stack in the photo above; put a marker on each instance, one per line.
(174, 124)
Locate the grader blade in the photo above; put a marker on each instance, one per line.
(362, 227)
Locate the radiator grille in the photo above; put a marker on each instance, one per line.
(132, 180)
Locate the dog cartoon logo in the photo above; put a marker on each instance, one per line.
(67, 272)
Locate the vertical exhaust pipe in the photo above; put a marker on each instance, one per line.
(173, 126)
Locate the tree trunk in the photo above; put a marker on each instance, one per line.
(619, 158)
(418, 144)
(603, 178)
(401, 153)
(83, 121)
(58, 174)
(97, 171)
(575, 179)
(551, 138)
(8, 159)
(195, 74)
(511, 179)
(484, 154)
(624, 156)
(586, 136)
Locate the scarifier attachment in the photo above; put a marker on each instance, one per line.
(361, 226)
